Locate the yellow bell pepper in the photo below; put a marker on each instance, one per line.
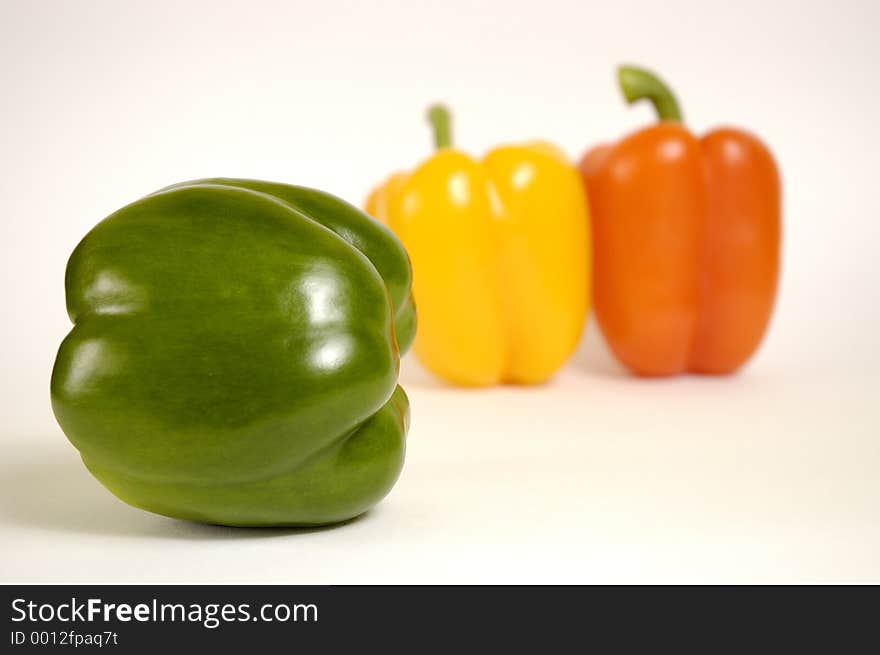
(501, 258)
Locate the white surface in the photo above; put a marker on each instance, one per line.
(768, 476)
(595, 478)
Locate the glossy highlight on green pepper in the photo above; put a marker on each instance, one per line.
(235, 352)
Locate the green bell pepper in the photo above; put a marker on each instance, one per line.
(235, 352)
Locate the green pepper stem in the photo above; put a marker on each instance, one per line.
(637, 84)
(441, 121)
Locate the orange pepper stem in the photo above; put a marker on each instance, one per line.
(638, 84)
(441, 120)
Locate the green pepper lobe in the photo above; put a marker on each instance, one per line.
(235, 352)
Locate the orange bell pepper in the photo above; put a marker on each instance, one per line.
(500, 255)
(686, 235)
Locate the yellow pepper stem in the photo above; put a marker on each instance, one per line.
(441, 121)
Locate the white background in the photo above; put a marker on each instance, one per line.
(772, 475)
